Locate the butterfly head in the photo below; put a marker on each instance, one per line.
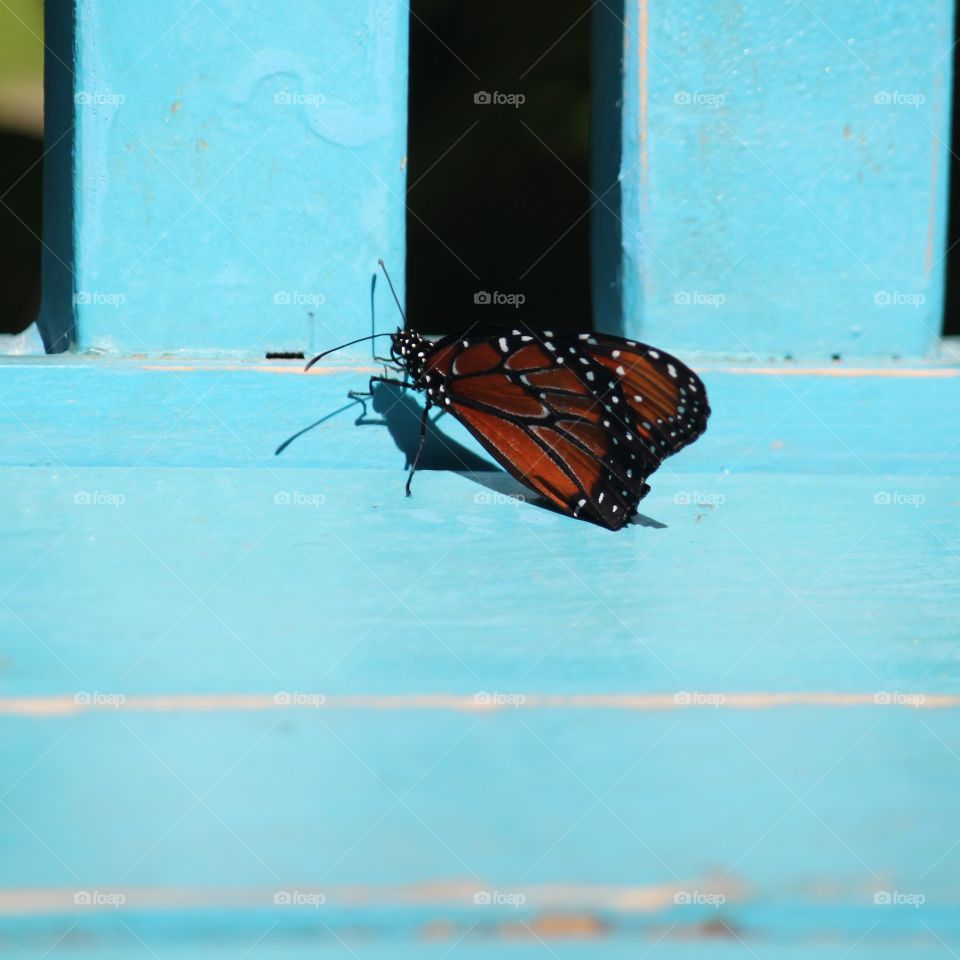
(409, 350)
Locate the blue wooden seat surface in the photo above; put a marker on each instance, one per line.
(263, 705)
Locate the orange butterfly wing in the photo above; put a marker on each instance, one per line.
(582, 419)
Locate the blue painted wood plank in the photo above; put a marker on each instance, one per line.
(158, 547)
(238, 170)
(784, 175)
(265, 937)
(332, 581)
(103, 413)
(792, 537)
(380, 809)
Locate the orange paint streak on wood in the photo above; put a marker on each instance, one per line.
(455, 892)
(470, 703)
(552, 926)
(254, 368)
(927, 372)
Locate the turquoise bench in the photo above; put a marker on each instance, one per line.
(259, 705)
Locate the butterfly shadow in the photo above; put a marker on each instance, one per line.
(396, 409)
(400, 413)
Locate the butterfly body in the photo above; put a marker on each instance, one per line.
(583, 419)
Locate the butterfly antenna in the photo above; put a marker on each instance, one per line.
(396, 299)
(349, 343)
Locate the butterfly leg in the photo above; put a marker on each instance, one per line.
(423, 436)
(391, 381)
(362, 399)
(357, 395)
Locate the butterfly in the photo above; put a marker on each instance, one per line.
(583, 419)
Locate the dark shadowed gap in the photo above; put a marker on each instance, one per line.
(21, 189)
(606, 242)
(56, 321)
(21, 166)
(951, 312)
(498, 223)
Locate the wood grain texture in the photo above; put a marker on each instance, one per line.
(784, 175)
(228, 674)
(324, 801)
(266, 937)
(177, 413)
(237, 199)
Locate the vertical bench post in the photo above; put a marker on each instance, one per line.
(236, 172)
(784, 175)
